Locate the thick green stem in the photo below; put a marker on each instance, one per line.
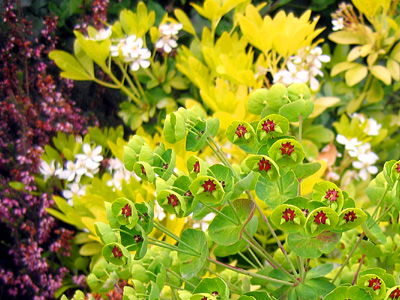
(251, 274)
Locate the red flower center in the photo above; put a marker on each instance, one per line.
(173, 200)
(196, 167)
(116, 252)
(144, 171)
(215, 293)
(204, 298)
(375, 283)
(288, 214)
(240, 130)
(398, 168)
(320, 217)
(209, 186)
(287, 149)
(264, 164)
(350, 216)
(268, 126)
(127, 211)
(332, 195)
(137, 238)
(395, 294)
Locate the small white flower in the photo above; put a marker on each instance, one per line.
(74, 189)
(365, 164)
(338, 24)
(168, 37)
(72, 171)
(351, 145)
(91, 157)
(48, 170)
(372, 127)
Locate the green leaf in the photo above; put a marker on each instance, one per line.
(260, 295)
(319, 271)
(105, 232)
(211, 285)
(17, 185)
(192, 264)
(342, 66)
(288, 218)
(90, 249)
(313, 247)
(257, 101)
(275, 193)
(286, 152)
(304, 170)
(277, 96)
(222, 230)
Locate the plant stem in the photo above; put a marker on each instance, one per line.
(379, 202)
(247, 260)
(251, 241)
(273, 233)
(155, 242)
(235, 212)
(358, 269)
(180, 277)
(382, 215)
(174, 236)
(348, 257)
(255, 257)
(255, 275)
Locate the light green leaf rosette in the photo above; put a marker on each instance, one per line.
(105, 232)
(207, 190)
(125, 212)
(272, 126)
(132, 150)
(374, 285)
(350, 218)
(172, 202)
(144, 171)
(117, 254)
(288, 218)
(321, 219)
(329, 194)
(241, 133)
(286, 152)
(196, 166)
(263, 165)
(277, 96)
(299, 104)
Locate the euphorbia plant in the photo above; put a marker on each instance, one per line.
(304, 228)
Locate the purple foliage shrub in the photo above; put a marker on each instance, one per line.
(35, 105)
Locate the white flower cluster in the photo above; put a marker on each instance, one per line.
(338, 24)
(131, 50)
(362, 151)
(303, 68)
(119, 173)
(102, 35)
(169, 36)
(85, 164)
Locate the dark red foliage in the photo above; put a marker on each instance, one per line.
(35, 105)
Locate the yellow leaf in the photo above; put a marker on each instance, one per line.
(308, 183)
(395, 53)
(356, 74)
(381, 73)
(185, 21)
(347, 37)
(323, 103)
(90, 249)
(394, 69)
(341, 67)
